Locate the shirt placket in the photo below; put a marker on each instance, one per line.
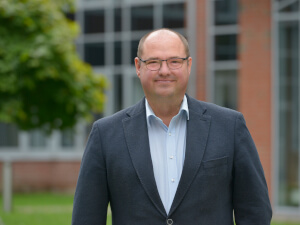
(171, 162)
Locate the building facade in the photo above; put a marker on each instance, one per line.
(245, 57)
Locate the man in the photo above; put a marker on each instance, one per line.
(170, 159)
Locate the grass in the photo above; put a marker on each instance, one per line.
(285, 223)
(40, 209)
(50, 209)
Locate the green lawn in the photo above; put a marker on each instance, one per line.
(285, 223)
(49, 209)
(40, 209)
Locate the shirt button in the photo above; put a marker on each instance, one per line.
(169, 221)
(173, 180)
(171, 157)
(170, 134)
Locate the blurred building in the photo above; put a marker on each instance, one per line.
(245, 57)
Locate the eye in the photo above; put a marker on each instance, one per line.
(175, 61)
(149, 62)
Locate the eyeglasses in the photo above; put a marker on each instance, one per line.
(155, 64)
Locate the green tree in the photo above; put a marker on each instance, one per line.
(43, 82)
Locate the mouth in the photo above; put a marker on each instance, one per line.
(164, 81)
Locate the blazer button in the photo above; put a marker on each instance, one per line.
(169, 221)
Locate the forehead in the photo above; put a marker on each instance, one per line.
(163, 44)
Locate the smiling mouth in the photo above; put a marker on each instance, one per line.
(166, 81)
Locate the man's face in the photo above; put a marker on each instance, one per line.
(163, 83)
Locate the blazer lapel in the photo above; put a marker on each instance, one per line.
(197, 133)
(136, 134)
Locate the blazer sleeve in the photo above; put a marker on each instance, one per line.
(91, 195)
(250, 192)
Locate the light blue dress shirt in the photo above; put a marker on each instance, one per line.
(167, 148)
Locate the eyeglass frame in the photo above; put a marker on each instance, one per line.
(161, 61)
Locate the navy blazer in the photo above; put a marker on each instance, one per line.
(222, 172)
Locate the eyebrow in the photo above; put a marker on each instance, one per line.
(155, 58)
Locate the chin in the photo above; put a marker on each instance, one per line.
(165, 95)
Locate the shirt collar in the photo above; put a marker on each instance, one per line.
(183, 108)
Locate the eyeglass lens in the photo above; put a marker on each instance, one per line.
(175, 63)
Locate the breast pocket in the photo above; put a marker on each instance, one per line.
(215, 167)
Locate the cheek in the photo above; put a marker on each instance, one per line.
(145, 80)
(183, 80)
(146, 76)
(183, 77)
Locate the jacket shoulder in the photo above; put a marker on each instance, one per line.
(117, 117)
(211, 108)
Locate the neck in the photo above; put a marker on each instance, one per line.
(165, 109)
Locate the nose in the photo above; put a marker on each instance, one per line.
(164, 69)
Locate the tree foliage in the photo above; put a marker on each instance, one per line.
(43, 82)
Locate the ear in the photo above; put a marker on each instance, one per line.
(137, 64)
(189, 64)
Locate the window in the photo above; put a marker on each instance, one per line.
(226, 47)
(226, 12)
(223, 85)
(118, 19)
(94, 54)
(118, 53)
(8, 135)
(289, 114)
(142, 18)
(226, 88)
(291, 8)
(118, 92)
(67, 138)
(173, 15)
(94, 21)
(37, 138)
(134, 46)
